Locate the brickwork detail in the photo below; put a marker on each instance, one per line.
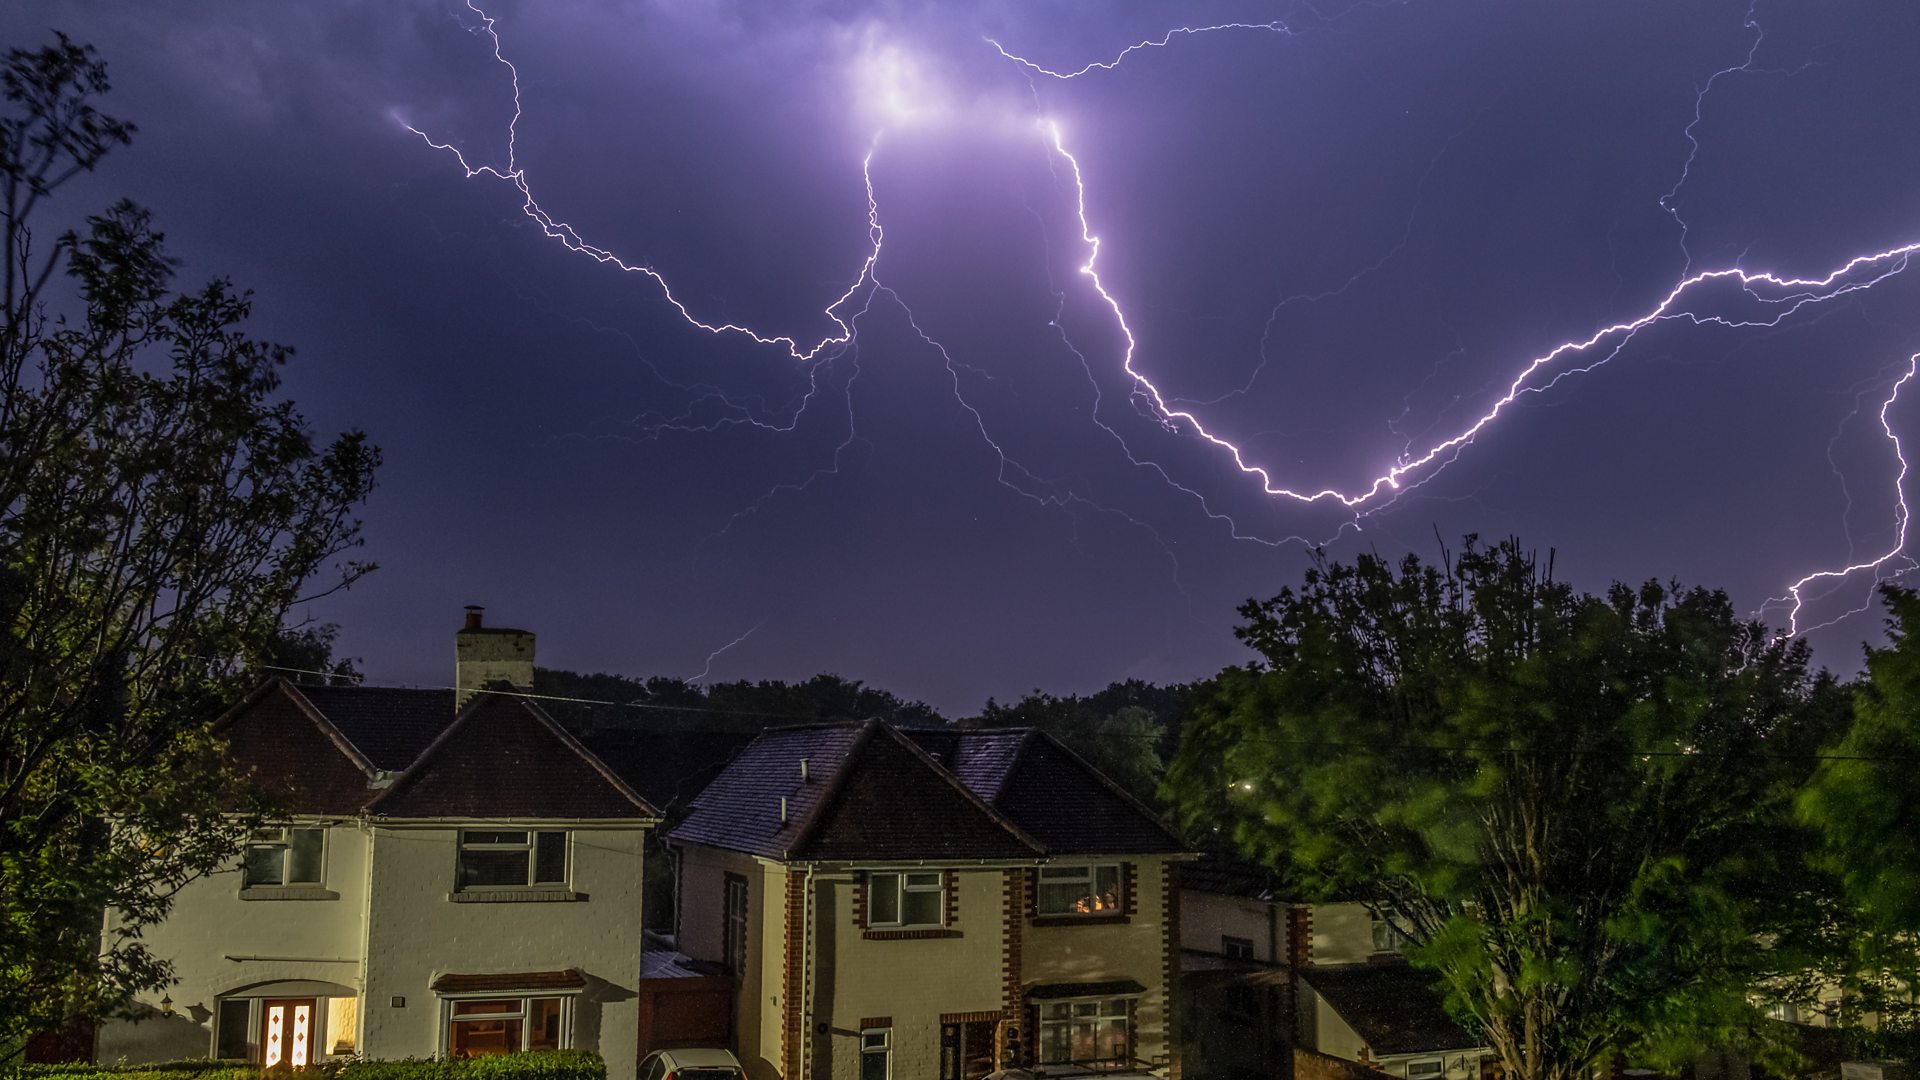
(793, 1034)
(1013, 1002)
(1299, 936)
(1170, 957)
(950, 888)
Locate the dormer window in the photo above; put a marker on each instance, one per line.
(497, 859)
(284, 857)
(906, 901)
(1079, 890)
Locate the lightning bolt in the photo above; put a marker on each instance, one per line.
(715, 654)
(1161, 42)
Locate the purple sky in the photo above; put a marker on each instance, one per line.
(1335, 247)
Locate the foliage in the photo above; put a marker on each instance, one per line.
(657, 703)
(1865, 806)
(160, 510)
(1112, 730)
(536, 1065)
(1577, 807)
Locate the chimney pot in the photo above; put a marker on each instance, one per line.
(473, 616)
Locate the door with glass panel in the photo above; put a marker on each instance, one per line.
(286, 1032)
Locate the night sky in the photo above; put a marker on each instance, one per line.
(1336, 245)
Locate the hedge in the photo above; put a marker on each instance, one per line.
(537, 1065)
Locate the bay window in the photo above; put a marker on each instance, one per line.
(1079, 890)
(484, 1027)
(907, 900)
(509, 859)
(1085, 1032)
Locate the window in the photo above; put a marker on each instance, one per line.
(876, 1053)
(1236, 948)
(514, 860)
(1386, 939)
(285, 1031)
(906, 900)
(1078, 890)
(482, 1027)
(1085, 1032)
(284, 857)
(234, 1039)
(1426, 1069)
(733, 928)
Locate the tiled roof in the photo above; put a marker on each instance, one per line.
(1047, 790)
(390, 725)
(867, 793)
(503, 757)
(1394, 1008)
(322, 750)
(667, 768)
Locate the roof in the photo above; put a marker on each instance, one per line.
(568, 979)
(667, 768)
(1050, 792)
(407, 753)
(1394, 1008)
(849, 792)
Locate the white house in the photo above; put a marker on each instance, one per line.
(457, 874)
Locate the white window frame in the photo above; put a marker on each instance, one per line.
(1125, 1015)
(282, 838)
(1089, 873)
(901, 888)
(884, 1049)
(531, 845)
(1439, 1067)
(1386, 937)
(734, 922)
(1236, 948)
(567, 997)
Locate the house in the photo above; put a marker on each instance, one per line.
(932, 903)
(1357, 998)
(455, 874)
(1236, 1002)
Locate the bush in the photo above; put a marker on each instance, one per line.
(538, 1065)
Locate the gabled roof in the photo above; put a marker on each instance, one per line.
(504, 757)
(867, 793)
(1051, 792)
(333, 750)
(1394, 1008)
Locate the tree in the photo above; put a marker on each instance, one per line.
(1576, 807)
(1865, 806)
(1124, 744)
(160, 509)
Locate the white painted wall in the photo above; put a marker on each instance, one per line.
(1342, 934)
(1207, 917)
(1135, 949)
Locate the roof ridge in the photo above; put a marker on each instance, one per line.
(835, 784)
(1105, 781)
(409, 774)
(592, 759)
(328, 727)
(966, 792)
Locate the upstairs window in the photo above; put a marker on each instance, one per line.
(512, 860)
(1079, 890)
(1387, 939)
(1428, 1069)
(284, 857)
(906, 901)
(1236, 948)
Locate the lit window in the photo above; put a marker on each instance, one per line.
(876, 1054)
(284, 857)
(905, 900)
(1079, 890)
(1425, 1070)
(1084, 1032)
(512, 859)
(484, 1027)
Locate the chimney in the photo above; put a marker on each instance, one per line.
(487, 656)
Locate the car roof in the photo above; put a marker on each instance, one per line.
(701, 1057)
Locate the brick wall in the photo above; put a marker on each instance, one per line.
(1170, 946)
(793, 1033)
(1311, 1065)
(1012, 997)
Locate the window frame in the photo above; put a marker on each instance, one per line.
(284, 843)
(1440, 1067)
(448, 1016)
(1090, 874)
(884, 1050)
(320, 1035)
(1236, 948)
(531, 846)
(900, 890)
(733, 928)
(1386, 938)
(1125, 1015)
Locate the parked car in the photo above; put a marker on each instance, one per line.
(691, 1065)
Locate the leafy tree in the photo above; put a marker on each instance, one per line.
(1124, 743)
(1577, 807)
(160, 509)
(1865, 805)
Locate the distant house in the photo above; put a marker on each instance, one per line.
(456, 874)
(937, 904)
(1236, 1002)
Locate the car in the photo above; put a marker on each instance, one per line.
(691, 1065)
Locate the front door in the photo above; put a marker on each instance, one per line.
(286, 1032)
(966, 1050)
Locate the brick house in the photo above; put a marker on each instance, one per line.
(455, 874)
(932, 903)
